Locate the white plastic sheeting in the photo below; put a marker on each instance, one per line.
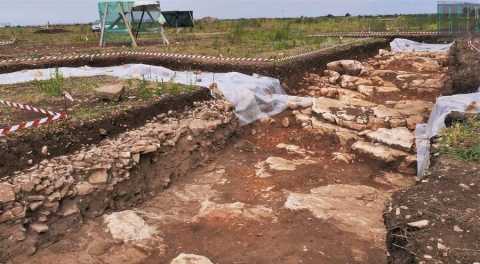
(405, 45)
(254, 97)
(425, 132)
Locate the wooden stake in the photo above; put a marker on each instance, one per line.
(104, 20)
(127, 24)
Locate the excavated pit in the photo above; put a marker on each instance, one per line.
(307, 186)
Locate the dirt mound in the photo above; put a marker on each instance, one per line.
(51, 31)
(464, 66)
(437, 220)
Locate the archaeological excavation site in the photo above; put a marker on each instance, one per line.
(347, 154)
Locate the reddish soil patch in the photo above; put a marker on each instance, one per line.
(286, 236)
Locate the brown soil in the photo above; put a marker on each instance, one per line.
(464, 65)
(24, 149)
(448, 199)
(19, 150)
(51, 31)
(284, 236)
(277, 234)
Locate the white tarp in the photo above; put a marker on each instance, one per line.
(425, 132)
(254, 97)
(405, 45)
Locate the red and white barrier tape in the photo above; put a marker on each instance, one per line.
(52, 117)
(27, 108)
(30, 124)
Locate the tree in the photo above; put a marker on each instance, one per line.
(348, 15)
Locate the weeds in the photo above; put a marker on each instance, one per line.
(147, 90)
(143, 90)
(53, 86)
(462, 140)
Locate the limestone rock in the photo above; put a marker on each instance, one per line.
(387, 89)
(350, 67)
(39, 228)
(84, 188)
(190, 259)
(345, 136)
(128, 226)
(111, 92)
(7, 194)
(389, 74)
(98, 177)
(379, 152)
(333, 76)
(357, 209)
(413, 107)
(367, 90)
(15, 213)
(419, 224)
(399, 137)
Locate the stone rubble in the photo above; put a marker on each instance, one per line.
(84, 184)
(372, 107)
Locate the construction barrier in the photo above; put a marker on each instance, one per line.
(52, 117)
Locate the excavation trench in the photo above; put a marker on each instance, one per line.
(307, 186)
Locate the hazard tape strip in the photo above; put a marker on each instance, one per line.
(32, 124)
(27, 108)
(52, 117)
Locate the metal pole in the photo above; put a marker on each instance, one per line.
(140, 23)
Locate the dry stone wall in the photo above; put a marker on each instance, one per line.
(40, 204)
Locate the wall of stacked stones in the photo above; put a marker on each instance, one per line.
(42, 203)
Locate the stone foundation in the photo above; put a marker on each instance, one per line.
(42, 203)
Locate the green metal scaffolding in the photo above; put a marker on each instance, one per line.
(458, 17)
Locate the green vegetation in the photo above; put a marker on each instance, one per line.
(239, 38)
(462, 140)
(147, 90)
(53, 86)
(87, 105)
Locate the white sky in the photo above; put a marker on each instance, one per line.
(27, 12)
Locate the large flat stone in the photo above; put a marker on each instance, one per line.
(112, 92)
(379, 152)
(355, 209)
(413, 107)
(190, 259)
(399, 137)
(127, 226)
(345, 136)
(7, 194)
(350, 67)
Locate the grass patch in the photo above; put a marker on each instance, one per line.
(261, 37)
(148, 90)
(53, 86)
(462, 140)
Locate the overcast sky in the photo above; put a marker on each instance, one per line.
(66, 11)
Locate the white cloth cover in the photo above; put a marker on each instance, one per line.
(254, 97)
(425, 132)
(405, 45)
